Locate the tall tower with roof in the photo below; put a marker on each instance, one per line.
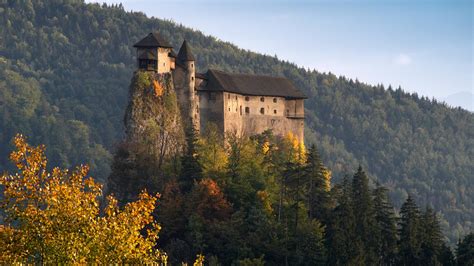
(154, 53)
(185, 81)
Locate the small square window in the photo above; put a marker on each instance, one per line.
(262, 99)
(274, 100)
(247, 110)
(262, 111)
(247, 98)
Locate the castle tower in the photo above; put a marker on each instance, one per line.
(186, 60)
(155, 54)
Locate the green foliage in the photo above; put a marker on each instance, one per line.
(410, 233)
(465, 250)
(386, 226)
(64, 61)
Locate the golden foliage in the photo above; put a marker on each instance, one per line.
(212, 153)
(199, 261)
(327, 175)
(157, 88)
(53, 217)
(297, 150)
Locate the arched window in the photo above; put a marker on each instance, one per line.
(262, 111)
(274, 100)
(275, 111)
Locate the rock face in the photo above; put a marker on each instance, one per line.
(154, 137)
(153, 116)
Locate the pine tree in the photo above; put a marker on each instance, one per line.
(410, 233)
(446, 257)
(432, 241)
(344, 247)
(465, 251)
(191, 169)
(386, 223)
(366, 226)
(319, 202)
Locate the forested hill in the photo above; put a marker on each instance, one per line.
(65, 67)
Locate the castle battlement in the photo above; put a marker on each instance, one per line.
(240, 103)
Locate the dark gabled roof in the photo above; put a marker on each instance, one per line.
(256, 85)
(201, 76)
(153, 40)
(172, 54)
(185, 53)
(148, 54)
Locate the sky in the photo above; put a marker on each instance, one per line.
(423, 46)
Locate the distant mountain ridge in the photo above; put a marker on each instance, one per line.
(65, 67)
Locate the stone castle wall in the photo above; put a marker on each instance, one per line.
(164, 61)
(250, 115)
(235, 113)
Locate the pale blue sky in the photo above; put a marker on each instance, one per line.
(424, 46)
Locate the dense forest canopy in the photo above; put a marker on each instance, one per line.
(65, 67)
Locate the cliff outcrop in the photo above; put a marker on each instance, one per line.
(154, 136)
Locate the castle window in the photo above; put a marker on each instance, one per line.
(228, 96)
(274, 100)
(275, 111)
(236, 97)
(262, 99)
(192, 78)
(262, 111)
(192, 65)
(241, 110)
(247, 110)
(229, 109)
(247, 98)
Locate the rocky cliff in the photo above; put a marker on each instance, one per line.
(154, 136)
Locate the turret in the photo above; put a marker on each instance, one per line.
(186, 59)
(154, 54)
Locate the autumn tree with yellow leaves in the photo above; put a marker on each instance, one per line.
(54, 217)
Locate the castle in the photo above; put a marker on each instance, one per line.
(239, 103)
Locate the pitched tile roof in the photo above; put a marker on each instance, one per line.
(185, 53)
(256, 85)
(153, 39)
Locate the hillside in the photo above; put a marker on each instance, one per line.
(65, 68)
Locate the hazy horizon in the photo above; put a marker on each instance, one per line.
(425, 47)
